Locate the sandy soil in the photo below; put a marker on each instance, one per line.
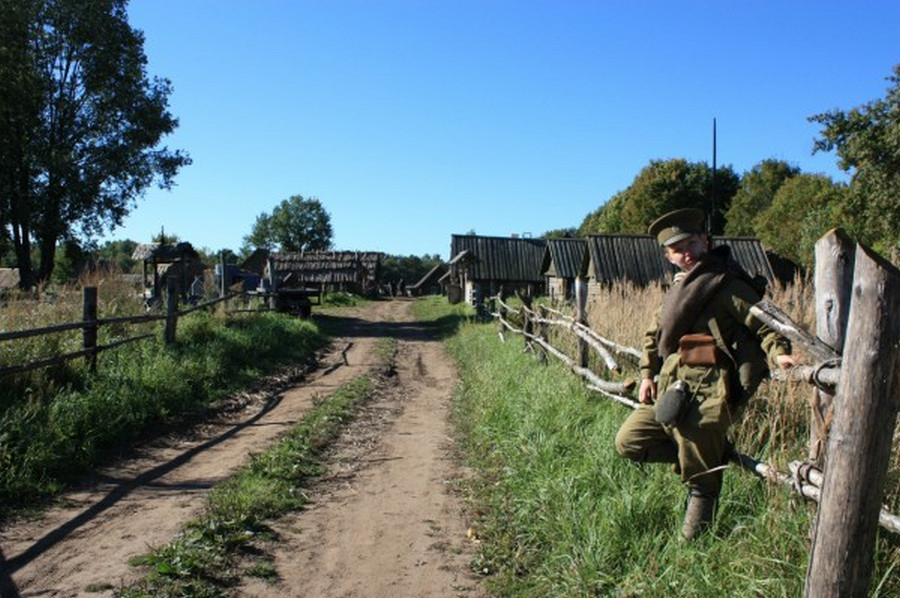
(385, 521)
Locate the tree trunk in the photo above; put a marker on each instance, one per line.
(22, 243)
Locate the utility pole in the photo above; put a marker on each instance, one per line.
(712, 201)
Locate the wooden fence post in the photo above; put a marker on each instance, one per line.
(223, 278)
(273, 282)
(859, 443)
(89, 333)
(171, 308)
(833, 284)
(581, 318)
(542, 330)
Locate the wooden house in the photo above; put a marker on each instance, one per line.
(564, 261)
(482, 266)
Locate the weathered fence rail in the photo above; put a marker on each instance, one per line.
(90, 326)
(854, 415)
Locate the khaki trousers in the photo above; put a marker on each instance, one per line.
(696, 449)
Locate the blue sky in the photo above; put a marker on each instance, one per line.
(412, 120)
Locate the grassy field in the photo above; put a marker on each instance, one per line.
(561, 514)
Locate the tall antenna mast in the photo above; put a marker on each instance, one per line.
(712, 208)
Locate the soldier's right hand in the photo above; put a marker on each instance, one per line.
(647, 392)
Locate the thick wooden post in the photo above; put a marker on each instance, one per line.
(833, 282)
(859, 444)
(171, 309)
(89, 316)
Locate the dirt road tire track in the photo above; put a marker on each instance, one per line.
(384, 522)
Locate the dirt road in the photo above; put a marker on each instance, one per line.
(385, 521)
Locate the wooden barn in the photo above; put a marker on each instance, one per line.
(638, 259)
(564, 261)
(328, 271)
(482, 266)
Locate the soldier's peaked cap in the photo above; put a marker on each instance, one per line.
(677, 225)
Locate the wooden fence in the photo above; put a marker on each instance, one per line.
(856, 377)
(90, 325)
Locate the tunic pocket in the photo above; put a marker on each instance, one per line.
(697, 350)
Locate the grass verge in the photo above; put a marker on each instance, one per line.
(50, 434)
(203, 561)
(561, 514)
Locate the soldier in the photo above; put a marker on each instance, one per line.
(708, 354)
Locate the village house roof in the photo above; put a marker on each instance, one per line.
(564, 257)
(626, 258)
(501, 259)
(749, 253)
(639, 258)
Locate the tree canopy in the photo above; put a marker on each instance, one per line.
(755, 194)
(867, 142)
(804, 208)
(296, 224)
(80, 125)
(662, 186)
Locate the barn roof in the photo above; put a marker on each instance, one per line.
(162, 254)
(639, 258)
(749, 253)
(432, 276)
(632, 258)
(513, 259)
(256, 261)
(564, 257)
(326, 266)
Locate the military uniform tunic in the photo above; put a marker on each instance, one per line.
(696, 443)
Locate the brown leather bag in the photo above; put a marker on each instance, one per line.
(697, 349)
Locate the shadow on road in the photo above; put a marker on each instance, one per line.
(120, 491)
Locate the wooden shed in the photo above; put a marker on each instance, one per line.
(483, 266)
(564, 261)
(163, 261)
(328, 271)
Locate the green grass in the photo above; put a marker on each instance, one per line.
(561, 514)
(206, 559)
(49, 439)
